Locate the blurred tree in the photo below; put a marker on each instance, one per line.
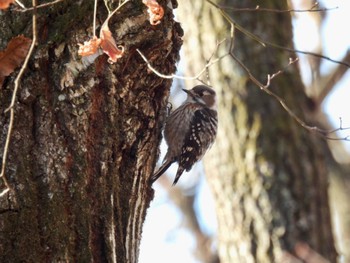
(268, 174)
(85, 139)
(319, 84)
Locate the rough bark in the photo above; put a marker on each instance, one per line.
(267, 173)
(85, 138)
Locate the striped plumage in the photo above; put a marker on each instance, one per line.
(190, 130)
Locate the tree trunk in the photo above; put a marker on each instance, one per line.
(85, 138)
(267, 173)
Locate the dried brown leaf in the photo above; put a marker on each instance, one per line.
(106, 42)
(5, 3)
(90, 47)
(155, 11)
(109, 46)
(13, 56)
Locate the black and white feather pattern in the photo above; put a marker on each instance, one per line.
(190, 131)
(198, 140)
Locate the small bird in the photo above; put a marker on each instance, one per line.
(190, 131)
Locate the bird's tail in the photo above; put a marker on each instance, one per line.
(160, 171)
(179, 172)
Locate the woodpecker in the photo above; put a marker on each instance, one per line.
(190, 131)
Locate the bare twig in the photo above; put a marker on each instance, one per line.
(13, 100)
(114, 11)
(323, 133)
(240, 28)
(306, 53)
(37, 7)
(208, 61)
(313, 8)
(94, 21)
(196, 77)
(20, 4)
(341, 128)
(267, 43)
(331, 79)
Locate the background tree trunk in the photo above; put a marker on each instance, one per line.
(85, 138)
(267, 173)
(321, 86)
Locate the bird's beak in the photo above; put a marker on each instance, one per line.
(188, 92)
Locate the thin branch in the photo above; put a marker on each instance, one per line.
(263, 87)
(94, 20)
(37, 7)
(232, 38)
(332, 79)
(267, 43)
(240, 28)
(323, 133)
(172, 76)
(261, 9)
(208, 83)
(306, 53)
(20, 4)
(13, 100)
(341, 128)
(114, 11)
